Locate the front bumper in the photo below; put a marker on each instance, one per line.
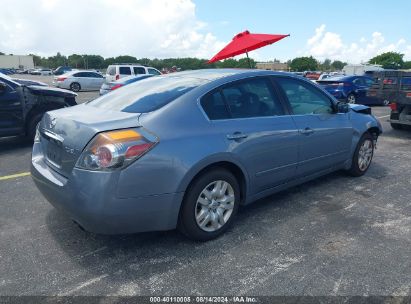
(90, 199)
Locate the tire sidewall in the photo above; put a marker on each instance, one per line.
(72, 87)
(187, 222)
(355, 169)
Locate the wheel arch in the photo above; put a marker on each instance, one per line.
(232, 166)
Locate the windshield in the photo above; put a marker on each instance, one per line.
(147, 95)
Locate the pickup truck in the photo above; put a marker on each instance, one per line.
(22, 105)
(395, 87)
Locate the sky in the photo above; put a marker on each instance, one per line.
(351, 31)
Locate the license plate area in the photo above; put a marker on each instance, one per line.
(53, 152)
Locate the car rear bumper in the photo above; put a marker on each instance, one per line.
(89, 198)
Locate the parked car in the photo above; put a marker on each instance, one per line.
(393, 87)
(23, 105)
(114, 85)
(7, 71)
(79, 81)
(62, 70)
(116, 71)
(352, 89)
(186, 149)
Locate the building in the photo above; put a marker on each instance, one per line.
(21, 62)
(272, 65)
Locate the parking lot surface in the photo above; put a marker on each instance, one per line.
(336, 235)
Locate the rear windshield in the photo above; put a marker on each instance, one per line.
(146, 95)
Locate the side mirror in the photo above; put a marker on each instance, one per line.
(3, 87)
(343, 107)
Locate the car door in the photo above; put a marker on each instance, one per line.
(11, 110)
(360, 89)
(96, 80)
(325, 136)
(257, 130)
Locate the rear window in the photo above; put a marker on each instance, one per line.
(125, 71)
(146, 95)
(111, 70)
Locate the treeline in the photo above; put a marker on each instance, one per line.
(98, 62)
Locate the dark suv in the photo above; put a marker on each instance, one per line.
(62, 70)
(23, 105)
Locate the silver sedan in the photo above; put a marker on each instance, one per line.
(79, 81)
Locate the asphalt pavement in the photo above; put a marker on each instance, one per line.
(337, 235)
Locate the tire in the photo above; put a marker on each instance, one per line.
(32, 126)
(351, 98)
(75, 87)
(202, 219)
(396, 126)
(363, 154)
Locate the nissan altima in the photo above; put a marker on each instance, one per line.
(185, 150)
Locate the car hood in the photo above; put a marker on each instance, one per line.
(49, 91)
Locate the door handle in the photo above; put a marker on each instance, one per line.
(307, 131)
(236, 136)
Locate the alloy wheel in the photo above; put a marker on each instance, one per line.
(365, 154)
(214, 206)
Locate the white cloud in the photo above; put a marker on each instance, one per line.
(324, 44)
(157, 28)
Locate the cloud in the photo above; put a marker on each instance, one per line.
(158, 28)
(324, 44)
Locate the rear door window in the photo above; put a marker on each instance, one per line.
(111, 70)
(252, 98)
(139, 70)
(243, 99)
(125, 71)
(214, 106)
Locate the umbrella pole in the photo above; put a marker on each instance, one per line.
(248, 58)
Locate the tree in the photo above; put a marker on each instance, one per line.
(338, 65)
(326, 65)
(407, 65)
(1, 53)
(388, 60)
(301, 64)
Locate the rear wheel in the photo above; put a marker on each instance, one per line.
(363, 155)
(210, 205)
(75, 86)
(351, 98)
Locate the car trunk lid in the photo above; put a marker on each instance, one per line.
(66, 132)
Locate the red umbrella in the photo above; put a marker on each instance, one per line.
(244, 43)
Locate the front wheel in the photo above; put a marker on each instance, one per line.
(363, 155)
(210, 205)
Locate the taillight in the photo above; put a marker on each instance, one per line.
(393, 106)
(116, 87)
(409, 95)
(61, 78)
(116, 149)
(117, 77)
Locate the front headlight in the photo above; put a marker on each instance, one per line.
(115, 149)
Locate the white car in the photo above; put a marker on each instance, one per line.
(116, 71)
(79, 81)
